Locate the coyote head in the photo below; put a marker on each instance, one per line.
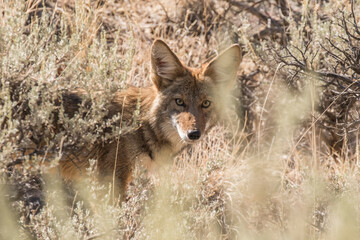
(187, 99)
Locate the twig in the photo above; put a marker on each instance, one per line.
(256, 13)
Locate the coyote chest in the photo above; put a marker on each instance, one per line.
(178, 110)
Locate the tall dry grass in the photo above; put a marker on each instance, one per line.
(264, 174)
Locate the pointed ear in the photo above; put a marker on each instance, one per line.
(223, 69)
(165, 65)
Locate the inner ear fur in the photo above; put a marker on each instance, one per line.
(166, 66)
(223, 69)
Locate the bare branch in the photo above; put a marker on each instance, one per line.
(265, 19)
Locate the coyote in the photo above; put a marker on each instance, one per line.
(177, 110)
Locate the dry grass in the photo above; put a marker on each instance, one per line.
(266, 174)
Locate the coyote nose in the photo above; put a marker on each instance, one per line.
(194, 134)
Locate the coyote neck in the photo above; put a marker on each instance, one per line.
(159, 148)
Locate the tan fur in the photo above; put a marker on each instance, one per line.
(165, 125)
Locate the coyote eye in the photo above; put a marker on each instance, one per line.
(179, 102)
(206, 104)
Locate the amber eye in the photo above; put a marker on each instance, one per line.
(206, 104)
(179, 102)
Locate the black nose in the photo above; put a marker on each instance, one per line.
(194, 134)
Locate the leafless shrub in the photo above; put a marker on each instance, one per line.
(332, 66)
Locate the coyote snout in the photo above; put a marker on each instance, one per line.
(194, 135)
(189, 126)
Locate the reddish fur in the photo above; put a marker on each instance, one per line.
(164, 124)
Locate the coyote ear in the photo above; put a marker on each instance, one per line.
(222, 70)
(165, 65)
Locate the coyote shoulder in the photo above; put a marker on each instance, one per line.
(177, 110)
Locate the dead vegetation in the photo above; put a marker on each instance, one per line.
(286, 167)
